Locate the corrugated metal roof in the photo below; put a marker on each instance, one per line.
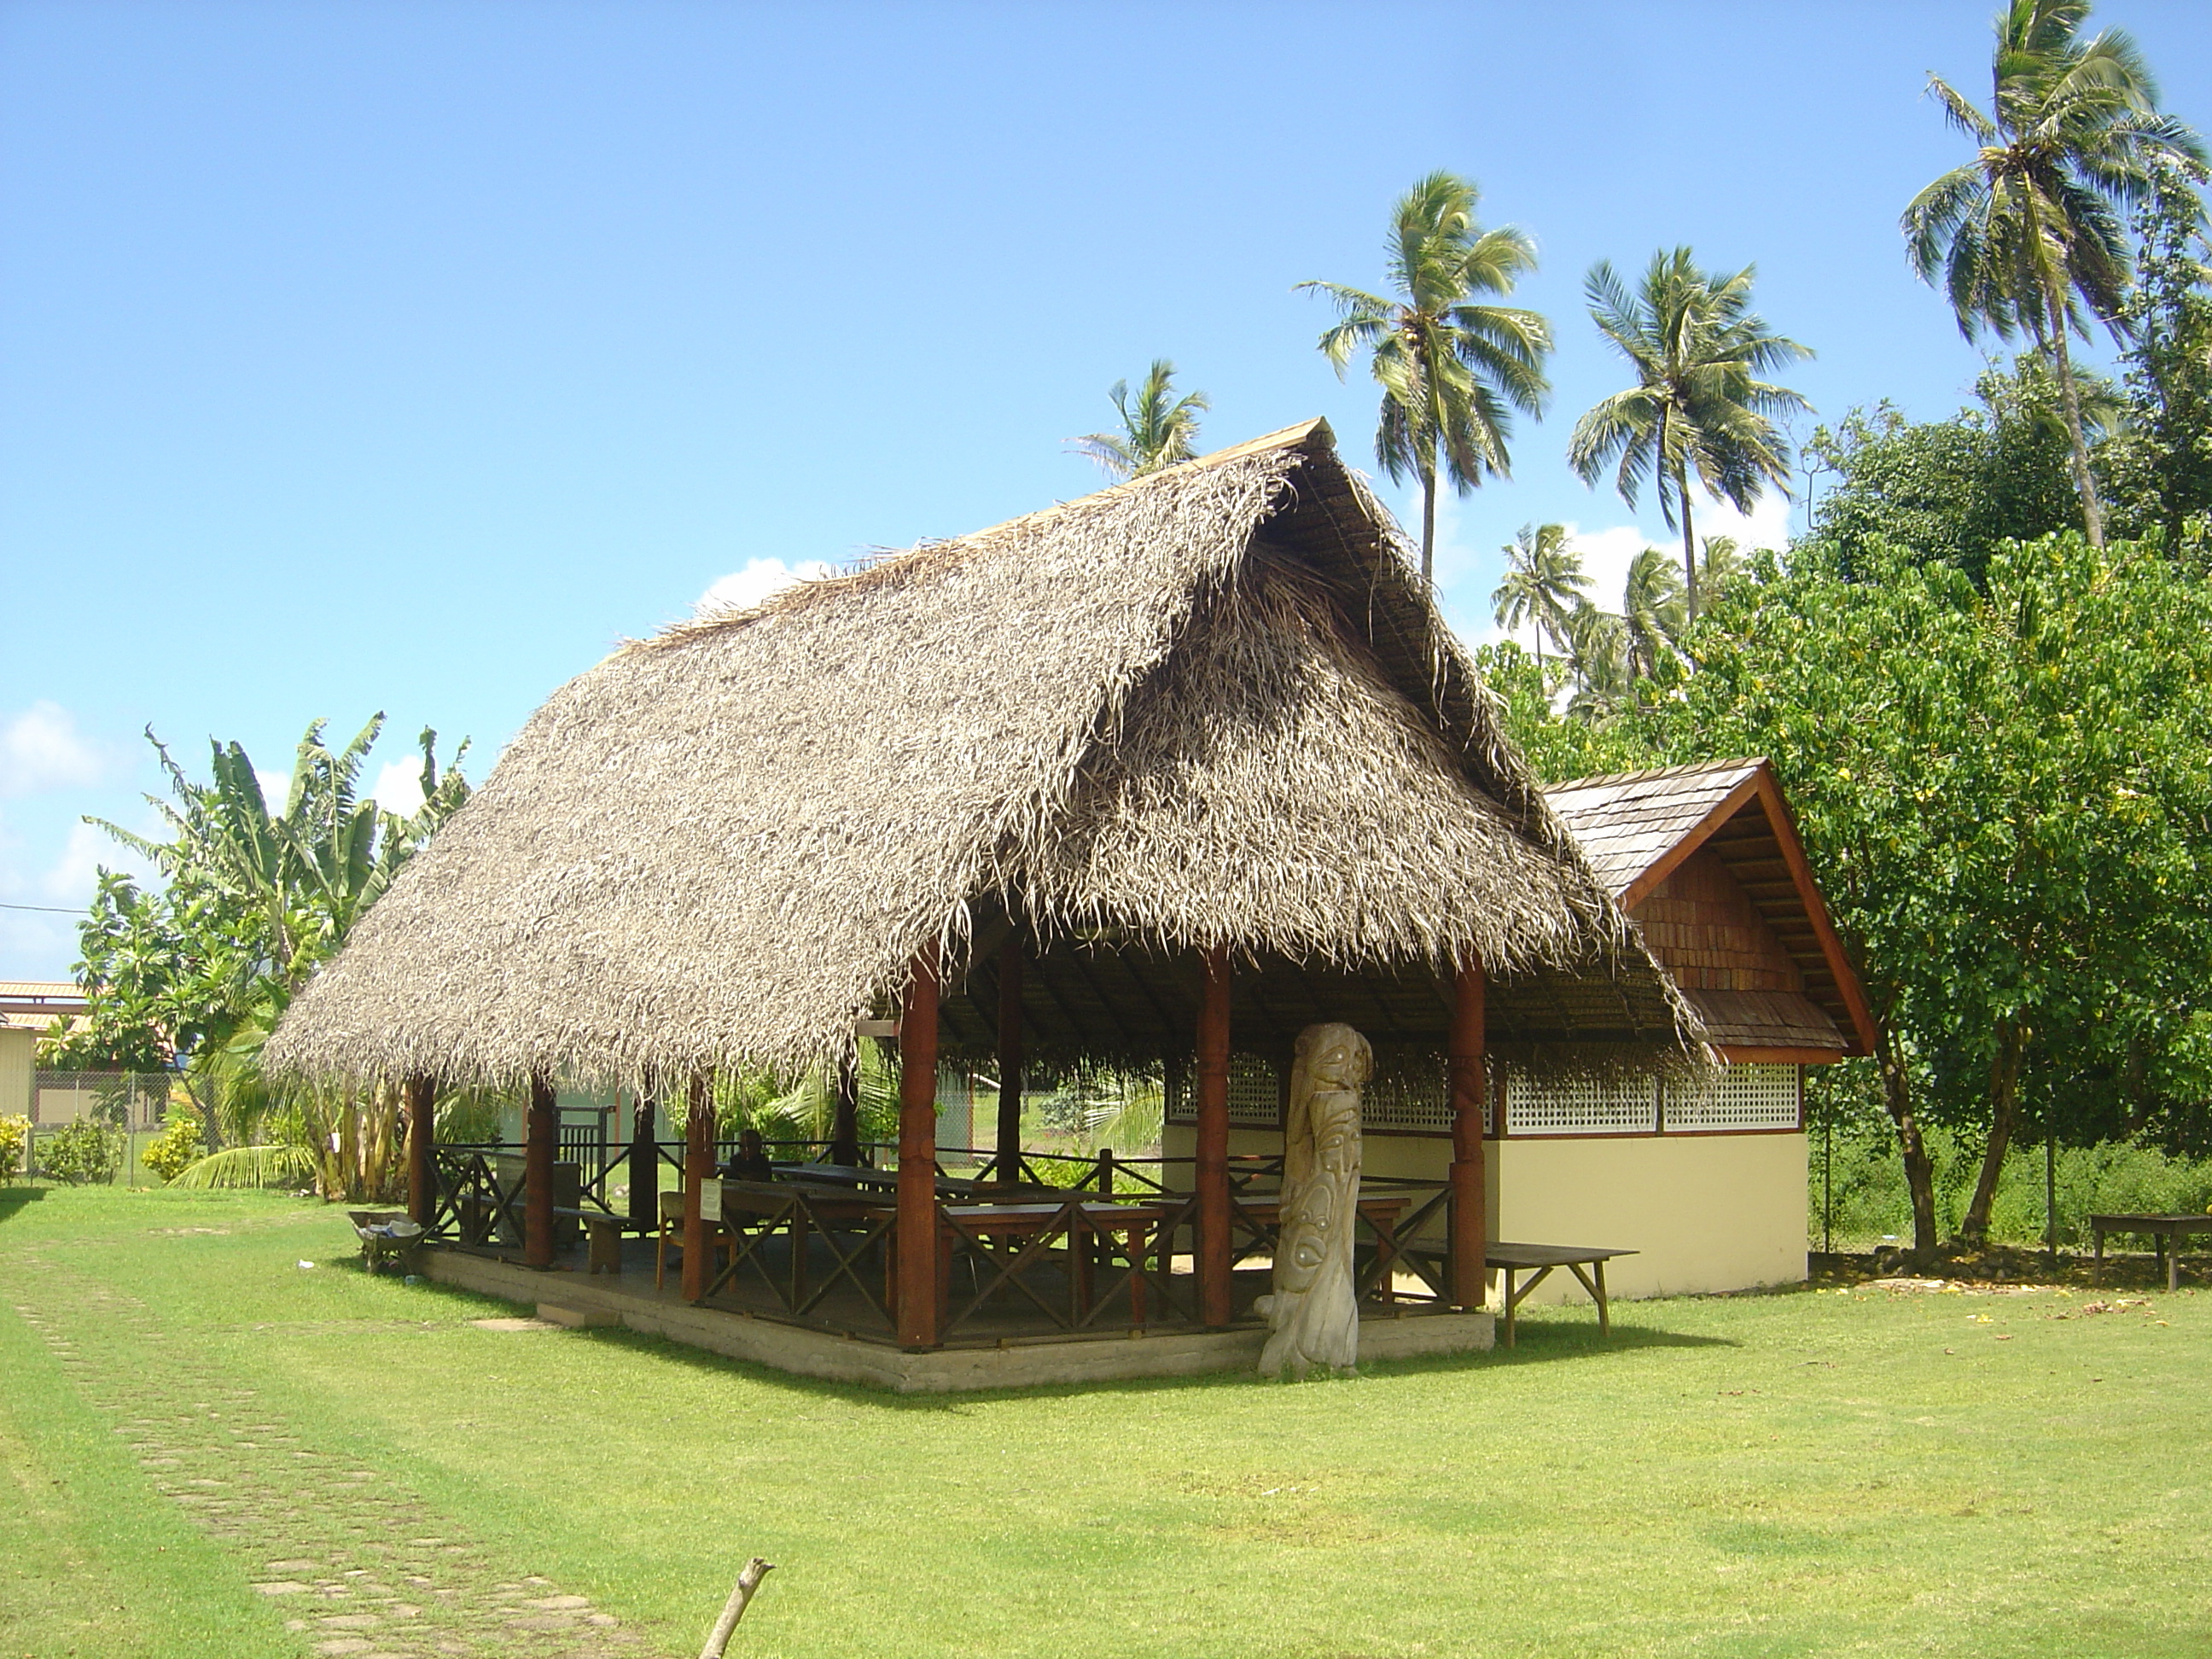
(50, 990)
(1626, 821)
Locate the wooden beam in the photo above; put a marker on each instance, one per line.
(422, 1150)
(1213, 1204)
(1470, 1083)
(918, 1236)
(541, 1135)
(644, 1163)
(698, 1165)
(1008, 1166)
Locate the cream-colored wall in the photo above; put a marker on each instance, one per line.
(19, 1047)
(1703, 1213)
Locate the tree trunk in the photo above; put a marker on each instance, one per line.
(1919, 1168)
(1428, 522)
(2005, 1112)
(2070, 398)
(1689, 542)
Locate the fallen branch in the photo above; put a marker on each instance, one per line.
(734, 1608)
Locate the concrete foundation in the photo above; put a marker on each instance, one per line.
(577, 1299)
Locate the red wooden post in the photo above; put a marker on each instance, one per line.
(540, 1137)
(1469, 1217)
(422, 1150)
(1008, 1165)
(917, 1238)
(1214, 1205)
(644, 1164)
(698, 1165)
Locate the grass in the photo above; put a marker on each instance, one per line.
(1879, 1473)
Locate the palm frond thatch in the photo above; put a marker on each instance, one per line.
(1211, 707)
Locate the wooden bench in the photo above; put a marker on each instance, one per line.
(603, 1236)
(1509, 1259)
(2165, 1231)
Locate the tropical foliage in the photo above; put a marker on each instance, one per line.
(1544, 581)
(1158, 428)
(1698, 408)
(177, 1146)
(1452, 367)
(2028, 235)
(196, 973)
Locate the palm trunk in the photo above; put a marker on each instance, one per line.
(1919, 1168)
(1689, 542)
(2004, 1113)
(2069, 400)
(1429, 521)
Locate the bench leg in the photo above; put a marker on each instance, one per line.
(2173, 1263)
(2096, 1272)
(1510, 1303)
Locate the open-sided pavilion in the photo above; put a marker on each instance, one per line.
(1147, 780)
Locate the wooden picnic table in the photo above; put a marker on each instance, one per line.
(2166, 1233)
(1511, 1258)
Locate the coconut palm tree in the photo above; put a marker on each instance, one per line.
(1452, 368)
(1543, 580)
(1720, 561)
(1698, 406)
(2028, 234)
(1651, 611)
(1156, 431)
(1596, 652)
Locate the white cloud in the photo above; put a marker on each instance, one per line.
(741, 590)
(42, 749)
(398, 787)
(276, 789)
(71, 878)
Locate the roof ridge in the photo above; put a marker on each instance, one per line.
(1742, 762)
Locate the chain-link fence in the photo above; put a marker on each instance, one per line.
(91, 1126)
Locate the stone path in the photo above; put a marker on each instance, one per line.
(361, 1565)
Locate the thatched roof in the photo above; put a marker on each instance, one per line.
(1211, 707)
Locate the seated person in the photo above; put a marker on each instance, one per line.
(751, 1161)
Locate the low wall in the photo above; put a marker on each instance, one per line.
(1704, 1212)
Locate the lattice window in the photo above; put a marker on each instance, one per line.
(1741, 1098)
(1254, 1093)
(1411, 1090)
(1581, 1105)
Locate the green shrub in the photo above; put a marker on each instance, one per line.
(178, 1145)
(81, 1152)
(14, 1136)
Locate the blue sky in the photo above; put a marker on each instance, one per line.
(409, 356)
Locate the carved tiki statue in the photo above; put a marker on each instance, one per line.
(1313, 1317)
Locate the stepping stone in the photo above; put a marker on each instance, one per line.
(282, 1587)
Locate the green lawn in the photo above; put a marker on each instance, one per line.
(1881, 1473)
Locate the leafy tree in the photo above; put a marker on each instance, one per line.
(1953, 491)
(1157, 430)
(1698, 406)
(1557, 748)
(2003, 793)
(2027, 233)
(1452, 368)
(2160, 465)
(1597, 651)
(1543, 580)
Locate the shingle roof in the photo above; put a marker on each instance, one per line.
(1625, 822)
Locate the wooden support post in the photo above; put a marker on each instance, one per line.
(1008, 1165)
(644, 1164)
(1213, 1204)
(919, 1240)
(845, 1110)
(1470, 1083)
(698, 1165)
(422, 1151)
(541, 1138)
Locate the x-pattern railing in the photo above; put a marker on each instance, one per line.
(793, 1216)
(471, 1201)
